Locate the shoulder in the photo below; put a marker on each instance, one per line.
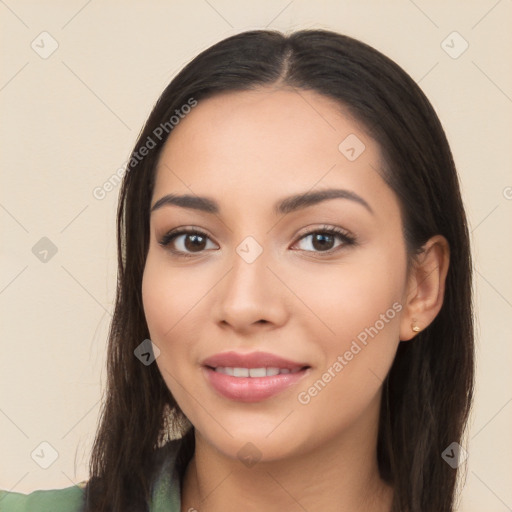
(165, 496)
(69, 499)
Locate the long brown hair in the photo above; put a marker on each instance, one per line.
(428, 392)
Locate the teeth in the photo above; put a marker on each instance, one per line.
(257, 372)
(240, 372)
(254, 372)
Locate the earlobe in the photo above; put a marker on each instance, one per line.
(409, 331)
(414, 326)
(425, 290)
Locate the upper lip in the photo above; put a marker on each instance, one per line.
(251, 360)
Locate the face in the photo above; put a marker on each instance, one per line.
(312, 290)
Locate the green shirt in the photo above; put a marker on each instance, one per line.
(165, 498)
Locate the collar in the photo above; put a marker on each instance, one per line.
(166, 495)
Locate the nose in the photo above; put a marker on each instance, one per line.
(251, 297)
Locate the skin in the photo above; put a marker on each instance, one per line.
(248, 150)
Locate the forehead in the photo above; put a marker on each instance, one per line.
(259, 145)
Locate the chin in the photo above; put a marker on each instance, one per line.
(250, 441)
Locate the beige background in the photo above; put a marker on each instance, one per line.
(69, 122)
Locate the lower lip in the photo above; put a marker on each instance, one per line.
(251, 389)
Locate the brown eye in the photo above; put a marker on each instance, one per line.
(323, 240)
(185, 242)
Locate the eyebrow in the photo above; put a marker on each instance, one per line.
(283, 206)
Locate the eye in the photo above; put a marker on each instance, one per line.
(324, 237)
(194, 241)
(191, 240)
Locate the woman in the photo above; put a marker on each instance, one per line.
(294, 293)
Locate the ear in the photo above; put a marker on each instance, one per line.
(424, 292)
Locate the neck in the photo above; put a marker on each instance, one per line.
(339, 475)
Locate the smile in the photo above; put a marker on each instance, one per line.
(251, 377)
(254, 372)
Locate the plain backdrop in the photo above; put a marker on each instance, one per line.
(77, 81)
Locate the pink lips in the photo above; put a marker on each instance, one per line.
(252, 389)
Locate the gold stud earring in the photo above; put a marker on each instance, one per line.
(415, 327)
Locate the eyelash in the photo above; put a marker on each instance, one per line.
(347, 239)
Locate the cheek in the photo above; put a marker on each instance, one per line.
(351, 296)
(166, 301)
(360, 304)
(169, 294)
(174, 299)
(370, 300)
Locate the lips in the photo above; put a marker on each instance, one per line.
(251, 377)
